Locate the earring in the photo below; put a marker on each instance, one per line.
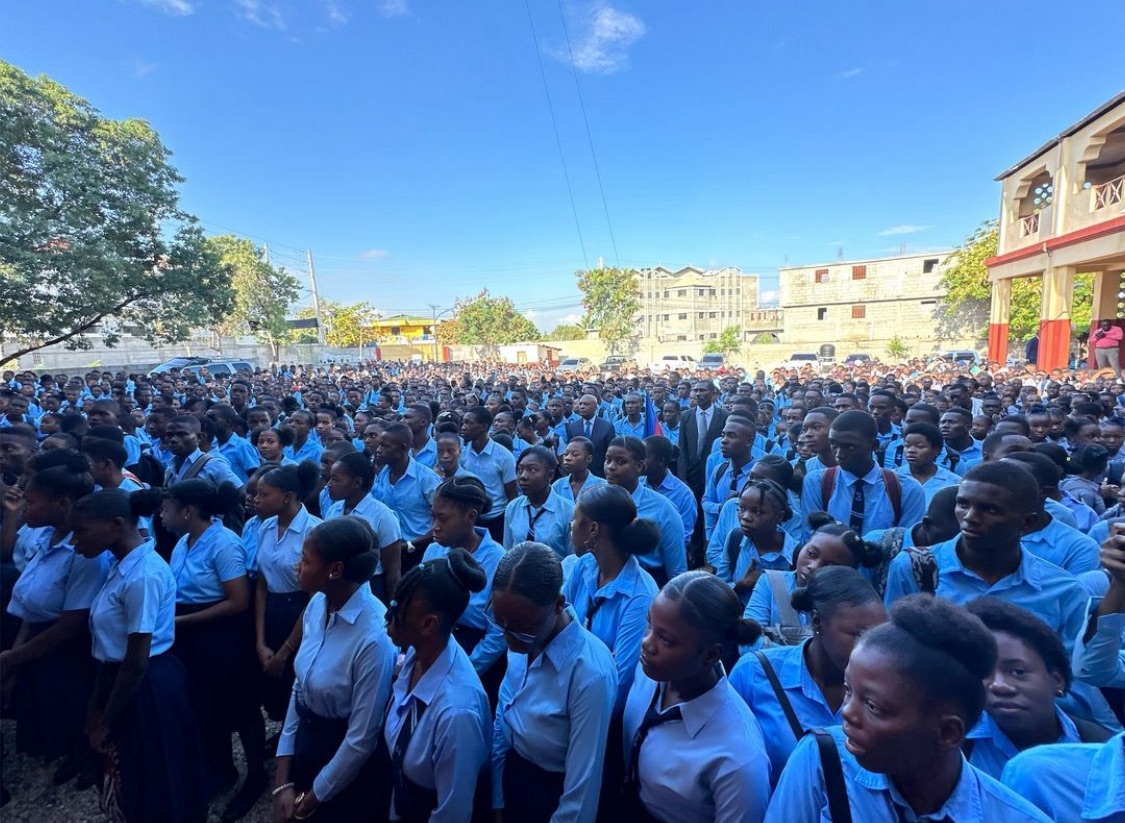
(1059, 693)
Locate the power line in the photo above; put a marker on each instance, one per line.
(555, 126)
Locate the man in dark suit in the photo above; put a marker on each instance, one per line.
(699, 428)
(597, 430)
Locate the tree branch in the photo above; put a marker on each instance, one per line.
(62, 338)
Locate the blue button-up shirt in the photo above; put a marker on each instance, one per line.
(670, 557)
(139, 597)
(555, 712)
(427, 455)
(800, 796)
(878, 512)
(57, 579)
(409, 498)
(242, 456)
(992, 749)
(216, 469)
(724, 483)
(1100, 658)
(312, 450)
(970, 457)
(343, 670)
(616, 612)
(1045, 590)
(561, 486)
(748, 552)
(1067, 548)
(496, 467)
(680, 494)
(627, 428)
(1072, 781)
(941, 479)
(278, 556)
(673, 434)
(216, 557)
(380, 518)
(552, 522)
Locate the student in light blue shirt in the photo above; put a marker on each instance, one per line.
(306, 445)
(852, 436)
(549, 736)
(659, 455)
(632, 423)
(238, 451)
(1099, 651)
(1072, 781)
(576, 460)
(404, 485)
(729, 476)
(439, 725)
(670, 421)
(899, 760)
(182, 436)
(758, 543)
(624, 465)
(809, 692)
(608, 590)
(693, 749)
(922, 445)
(418, 419)
(492, 463)
(343, 681)
(132, 624)
(538, 514)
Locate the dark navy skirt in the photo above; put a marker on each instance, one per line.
(283, 610)
(531, 793)
(51, 697)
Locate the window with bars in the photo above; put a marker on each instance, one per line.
(820, 276)
(859, 312)
(859, 272)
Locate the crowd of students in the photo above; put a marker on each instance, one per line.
(470, 592)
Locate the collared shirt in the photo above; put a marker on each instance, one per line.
(30, 541)
(378, 516)
(672, 433)
(277, 556)
(552, 522)
(562, 488)
(1058, 510)
(312, 450)
(496, 467)
(800, 796)
(409, 498)
(427, 455)
(617, 613)
(1072, 781)
(894, 433)
(781, 560)
(162, 453)
(132, 445)
(139, 597)
(680, 494)
(1042, 588)
(57, 579)
(763, 608)
(723, 483)
(1067, 548)
(1084, 517)
(452, 733)
(670, 557)
(343, 670)
(709, 765)
(992, 749)
(216, 469)
(242, 456)
(217, 557)
(941, 479)
(1083, 491)
(878, 512)
(1100, 659)
(555, 712)
(971, 456)
(627, 428)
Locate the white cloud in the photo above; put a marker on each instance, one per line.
(905, 229)
(394, 8)
(142, 68)
(531, 315)
(768, 298)
(336, 15)
(176, 8)
(848, 74)
(374, 254)
(571, 319)
(603, 47)
(260, 13)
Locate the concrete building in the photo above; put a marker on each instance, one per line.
(695, 305)
(861, 305)
(1062, 213)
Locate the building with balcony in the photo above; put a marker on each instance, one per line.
(402, 328)
(1062, 213)
(695, 305)
(863, 304)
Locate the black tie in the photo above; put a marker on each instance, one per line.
(414, 712)
(733, 481)
(589, 430)
(652, 718)
(592, 609)
(531, 520)
(857, 508)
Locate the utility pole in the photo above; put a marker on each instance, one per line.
(433, 329)
(266, 253)
(316, 298)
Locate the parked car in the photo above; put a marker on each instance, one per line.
(670, 362)
(615, 364)
(712, 361)
(962, 357)
(857, 357)
(573, 364)
(799, 360)
(215, 368)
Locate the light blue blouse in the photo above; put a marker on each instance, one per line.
(139, 597)
(278, 556)
(217, 557)
(552, 522)
(57, 579)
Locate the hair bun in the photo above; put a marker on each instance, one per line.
(942, 626)
(468, 572)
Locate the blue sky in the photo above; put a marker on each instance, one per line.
(409, 143)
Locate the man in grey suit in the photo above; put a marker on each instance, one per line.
(699, 428)
(596, 429)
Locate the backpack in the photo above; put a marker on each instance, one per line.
(890, 480)
(789, 631)
(924, 568)
(148, 470)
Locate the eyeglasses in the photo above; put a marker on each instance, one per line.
(526, 639)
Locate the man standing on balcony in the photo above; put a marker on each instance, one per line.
(1107, 340)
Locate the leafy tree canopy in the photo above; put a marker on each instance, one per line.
(485, 320)
(612, 300)
(566, 331)
(346, 326)
(728, 342)
(92, 238)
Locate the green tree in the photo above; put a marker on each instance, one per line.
(964, 310)
(345, 326)
(262, 293)
(612, 300)
(488, 321)
(896, 349)
(729, 341)
(92, 237)
(566, 331)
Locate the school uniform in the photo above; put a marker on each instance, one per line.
(1059, 510)
(409, 498)
(562, 488)
(160, 758)
(438, 735)
(380, 518)
(548, 524)
(763, 607)
(878, 510)
(969, 457)
(680, 494)
(30, 541)
(991, 749)
(311, 450)
(242, 456)
(1084, 516)
(51, 692)
(1099, 649)
(617, 613)
(549, 737)
(811, 710)
(496, 467)
(426, 456)
(250, 531)
(800, 795)
(344, 669)
(1063, 546)
(627, 428)
(1072, 782)
(216, 469)
(670, 556)
(218, 654)
(748, 552)
(722, 486)
(285, 600)
(699, 761)
(941, 479)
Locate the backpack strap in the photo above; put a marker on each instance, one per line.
(1088, 731)
(892, 542)
(827, 484)
(734, 544)
(924, 568)
(967, 746)
(197, 466)
(782, 698)
(776, 581)
(894, 492)
(839, 810)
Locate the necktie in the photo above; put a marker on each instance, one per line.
(402, 743)
(733, 481)
(704, 422)
(589, 429)
(856, 521)
(531, 520)
(652, 719)
(592, 609)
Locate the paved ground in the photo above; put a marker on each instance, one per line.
(35, 800)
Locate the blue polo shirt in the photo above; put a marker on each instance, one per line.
(409, 498)
(495, 466)
(242, 456)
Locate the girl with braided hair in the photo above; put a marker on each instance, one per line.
(758, 542)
